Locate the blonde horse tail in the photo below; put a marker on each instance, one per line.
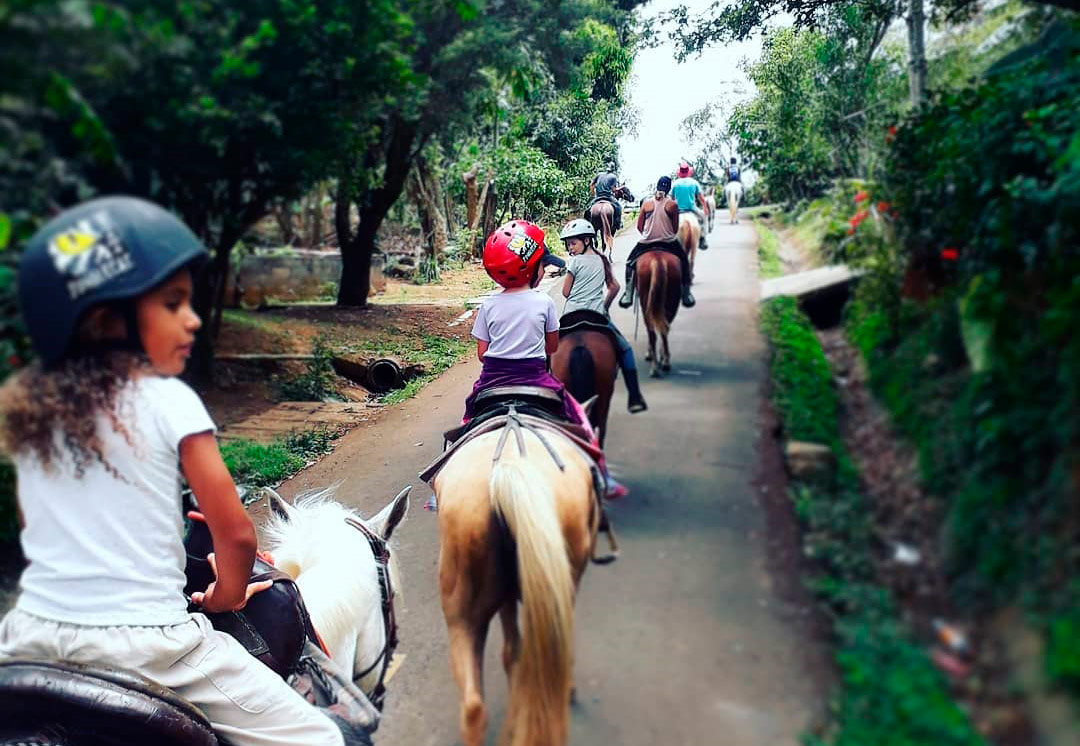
(540, 690)
(656, 312)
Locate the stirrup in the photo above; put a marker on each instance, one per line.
(626, 300)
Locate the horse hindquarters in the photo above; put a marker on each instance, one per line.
(540, 684)
(582, 383)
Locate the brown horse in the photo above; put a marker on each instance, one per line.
(602, 217)
(515, 527)
(586, 363)
(689, 237)
(659, 288)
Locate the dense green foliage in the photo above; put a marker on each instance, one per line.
(975, 353)
(891, 694)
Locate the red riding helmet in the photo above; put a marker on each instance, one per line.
(513, 252)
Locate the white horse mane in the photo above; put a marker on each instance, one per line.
(332, 563)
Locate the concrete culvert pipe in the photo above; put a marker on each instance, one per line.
(383, 375)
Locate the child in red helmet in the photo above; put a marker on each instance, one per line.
(517, 329)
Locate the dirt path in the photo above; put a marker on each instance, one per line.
(691, 637)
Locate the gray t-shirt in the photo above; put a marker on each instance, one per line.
(514, 324)
(587, 292)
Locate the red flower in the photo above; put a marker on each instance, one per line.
(861, 196)
(890, 135)
(882, 206)
(950, 254)
(851, 231)
(14, 361)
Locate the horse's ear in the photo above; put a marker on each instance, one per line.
(389, 517)
(589, 403)
(277, 505)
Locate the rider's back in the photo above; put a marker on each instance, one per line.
(685, 192)
(606, 183)
(590, 283)
(659, 224)
(107, 548)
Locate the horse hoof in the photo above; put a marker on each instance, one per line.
(666, 367)
(654, 373)
(648, 358)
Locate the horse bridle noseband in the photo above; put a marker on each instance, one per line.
(381, 550)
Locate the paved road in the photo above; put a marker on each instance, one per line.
(690, 638)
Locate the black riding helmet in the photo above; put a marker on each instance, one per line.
(106, 250)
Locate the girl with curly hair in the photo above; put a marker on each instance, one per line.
(100, 430)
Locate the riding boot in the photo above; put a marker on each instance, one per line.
(627, 298)
(635, 402)
(687, 296)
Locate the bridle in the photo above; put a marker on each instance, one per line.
(381, 550)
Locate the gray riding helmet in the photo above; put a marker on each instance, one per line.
(577, 228)
(107, 249)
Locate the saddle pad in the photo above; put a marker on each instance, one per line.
(574, 433)
(584, 320)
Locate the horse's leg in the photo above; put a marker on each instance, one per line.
(466, 656)
(665, 364)
(653, 370)
(511, 636)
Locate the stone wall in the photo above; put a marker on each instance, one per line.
(291, 275)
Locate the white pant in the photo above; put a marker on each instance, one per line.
(247, 703)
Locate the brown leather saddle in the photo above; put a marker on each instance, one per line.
(92, 705)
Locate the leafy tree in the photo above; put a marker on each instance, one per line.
(213, 109)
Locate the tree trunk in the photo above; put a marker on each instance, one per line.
(916, 22)
(490, 205)
(283, 215)
(423, 188)
(472, 199)
(397, 154)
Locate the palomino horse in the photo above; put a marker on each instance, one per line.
(331, 553)
(659, 288)
(689, 237)
(733, 191)
(515, 526)
(586, 363)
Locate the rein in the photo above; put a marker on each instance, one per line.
(381, 550)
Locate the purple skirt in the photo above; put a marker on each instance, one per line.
(524, 372)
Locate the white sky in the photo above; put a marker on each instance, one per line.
(665, 92)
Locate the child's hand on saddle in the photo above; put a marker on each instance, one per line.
(212, 605)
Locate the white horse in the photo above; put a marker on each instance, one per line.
(733, 191)
(330, 551)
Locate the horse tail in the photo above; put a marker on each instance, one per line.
(655, 311)
(541, 676)
(582, 374)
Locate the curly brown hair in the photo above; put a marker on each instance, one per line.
(36, 403)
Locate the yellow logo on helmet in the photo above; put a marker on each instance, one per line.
(74, 242)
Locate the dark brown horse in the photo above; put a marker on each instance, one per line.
(659, 288)
(586, 363)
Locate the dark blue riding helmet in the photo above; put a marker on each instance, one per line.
(108, 249)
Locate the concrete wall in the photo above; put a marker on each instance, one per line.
(296, 275)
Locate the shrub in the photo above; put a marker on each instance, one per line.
(315, 384)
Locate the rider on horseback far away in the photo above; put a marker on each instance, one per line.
(589, 276)
(658, 222)
(687, 193)
(603, 187)
(733, 172)
(516, 330)
(100, 430)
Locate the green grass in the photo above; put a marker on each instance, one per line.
(260, 464)
(768, 252)
(890, 694)
(436, 354)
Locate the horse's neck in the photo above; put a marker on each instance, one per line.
(347, 615)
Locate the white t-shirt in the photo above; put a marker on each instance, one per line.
(513, 324)
(105, 551)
